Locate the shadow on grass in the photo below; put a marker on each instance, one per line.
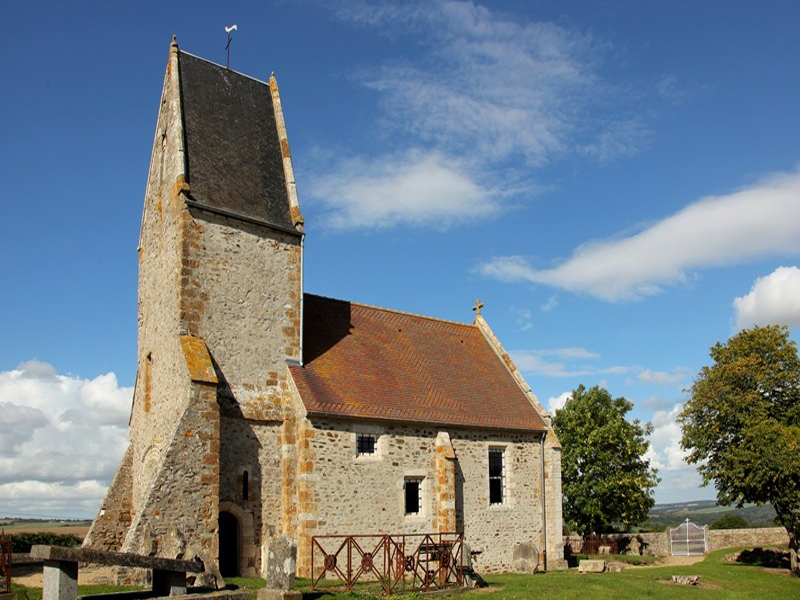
(769, 557)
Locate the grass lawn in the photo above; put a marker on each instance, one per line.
(718, 580)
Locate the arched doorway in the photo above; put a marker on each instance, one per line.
(228, 545)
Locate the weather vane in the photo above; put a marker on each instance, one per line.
(228, 30)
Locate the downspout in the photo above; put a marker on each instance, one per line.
(544, 503)
(302, 293)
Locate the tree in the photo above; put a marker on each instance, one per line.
(605, 477)
(730, 521)
(741, 424)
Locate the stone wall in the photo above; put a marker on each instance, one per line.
(181, 509)
(111, 524)
(658, 542)
(251, 447)
(759, 536)
(242, 295)
(655, 543)
(345, 494)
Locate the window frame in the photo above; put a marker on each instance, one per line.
(501, 476)
(366, 435)
(419, 481)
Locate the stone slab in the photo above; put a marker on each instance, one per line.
(615, 568)
(269, 594)
(281, 563)
(686, 579)
(525, 558)
(121, 559)
(592, 566)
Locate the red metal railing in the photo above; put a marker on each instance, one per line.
(415, 562)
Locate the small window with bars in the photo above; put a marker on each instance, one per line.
(497, 476)
(412, 486)
(366, 444)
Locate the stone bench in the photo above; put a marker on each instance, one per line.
(61, 570)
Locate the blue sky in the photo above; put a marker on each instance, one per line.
(618, 182)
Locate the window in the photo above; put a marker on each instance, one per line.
(365, 444)
(497, 475)
(412, 487)
(245, 486)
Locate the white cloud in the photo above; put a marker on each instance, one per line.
(551, 303)
(678, 478)
(481, 90)
(555, 403)
(62, 438)
(773, 299)
(662, 377)
(540, 362)
(523, 318)
(759, 221)
(416, 189)
(665, 452)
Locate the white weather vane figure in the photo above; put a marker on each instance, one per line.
(228, 30)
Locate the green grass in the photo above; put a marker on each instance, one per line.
(33, 593)
(718, 579)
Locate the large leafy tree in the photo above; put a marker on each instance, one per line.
(605, 477)
(742, 424)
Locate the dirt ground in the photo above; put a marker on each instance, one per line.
(88, 575)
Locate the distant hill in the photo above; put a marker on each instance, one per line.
(705, 512)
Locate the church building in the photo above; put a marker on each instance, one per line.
(261, 410)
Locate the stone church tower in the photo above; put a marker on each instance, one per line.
(220, 267)
(261, 411)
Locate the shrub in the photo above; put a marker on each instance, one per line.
(22, 542)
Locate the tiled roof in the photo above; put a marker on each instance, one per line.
(373, 363)
(232, 147)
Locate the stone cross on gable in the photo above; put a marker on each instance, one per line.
(478, 306)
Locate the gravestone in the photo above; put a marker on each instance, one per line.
(635, 547)
(592, 566)
(279, 570)
(525, 558)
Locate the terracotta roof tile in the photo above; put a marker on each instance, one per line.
(368, 362)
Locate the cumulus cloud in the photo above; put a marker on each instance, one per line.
(555, 403)
(665, 454)
(482, 90)
(425, 189)
(759, 221)
(773, 299)
(61, 440)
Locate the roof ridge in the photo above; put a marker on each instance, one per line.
(398, 312)
(224, 68)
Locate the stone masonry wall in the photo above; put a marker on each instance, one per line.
(242, 295)
(181, 509)
(553, 500)
(252, 447)
(341, 493)
(658, 542)
(111, 524)
(759, 536)
(162, 389)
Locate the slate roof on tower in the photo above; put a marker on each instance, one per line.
(233, 151)
(366, 362)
